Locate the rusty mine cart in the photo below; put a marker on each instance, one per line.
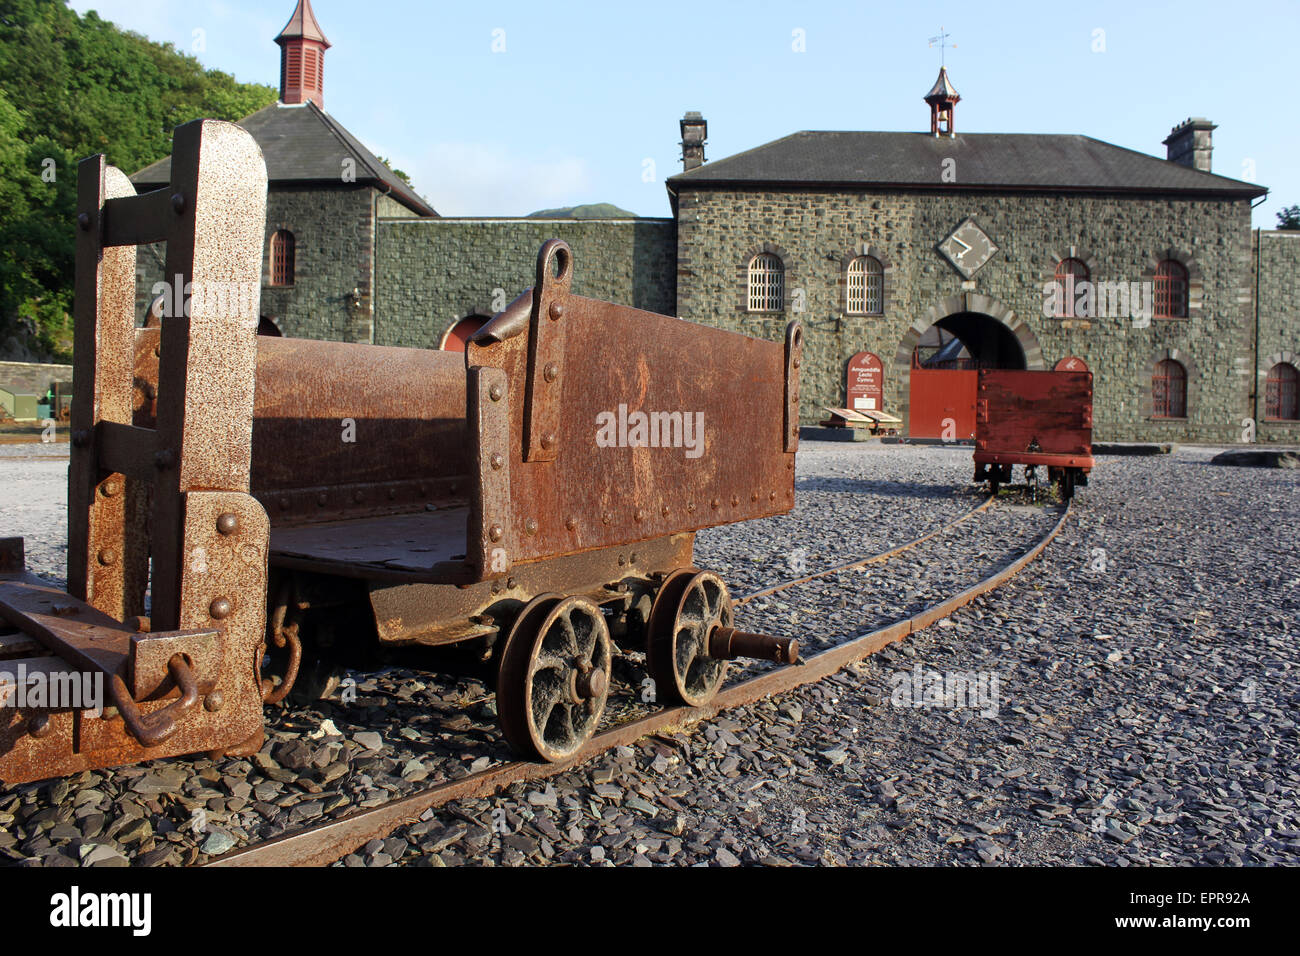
(1036, 419)
(517, 499)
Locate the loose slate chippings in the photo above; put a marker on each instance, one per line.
(1141, 715)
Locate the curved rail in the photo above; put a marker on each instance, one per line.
(863, 562)
(328, 842)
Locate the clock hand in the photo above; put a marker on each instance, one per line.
(965, 247)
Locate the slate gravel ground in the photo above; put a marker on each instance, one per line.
(1142, 716)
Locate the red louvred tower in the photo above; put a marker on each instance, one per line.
(302, 57)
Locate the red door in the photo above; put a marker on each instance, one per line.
(942, 403)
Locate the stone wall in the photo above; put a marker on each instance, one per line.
(1279, 319)
(334, 248)
(430, 273)
(333, 232)
(816, 232)
(386, 207)
(32, 378)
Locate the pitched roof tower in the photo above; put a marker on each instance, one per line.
(942, 97)
(302, 58)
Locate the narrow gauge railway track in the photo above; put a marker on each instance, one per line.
(874, 593)
(325, 843)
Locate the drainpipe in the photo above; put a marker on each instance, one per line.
(1254, 357)
(374, 256)
(1254, 382)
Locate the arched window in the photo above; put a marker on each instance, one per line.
(866, 283)
(1171, 290)
(1281, 398)
(1069, 273)
(766, 283)
(282, 258)
(1169, 390)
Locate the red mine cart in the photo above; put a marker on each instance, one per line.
(1032, 419)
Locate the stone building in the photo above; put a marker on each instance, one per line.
(937, 252)
(326, 195)
(1276, 302)
(941, 252)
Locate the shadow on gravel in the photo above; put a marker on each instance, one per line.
(895, 489)
(1230, 467)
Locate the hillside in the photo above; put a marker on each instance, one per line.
(597, 210)
(72, 86)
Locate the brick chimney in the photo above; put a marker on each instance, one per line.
(302, 57)
(694, 132)
(1191, 142)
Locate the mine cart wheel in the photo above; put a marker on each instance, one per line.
(1067, 484)
(554, 676)
(689, 607)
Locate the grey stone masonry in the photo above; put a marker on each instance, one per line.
(333, 229)
(32, 378)
(1279, 319)
(817, 231)
(431, 273)
(333, 290)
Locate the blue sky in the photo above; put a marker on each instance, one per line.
(585, 94)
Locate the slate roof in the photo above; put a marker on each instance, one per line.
(304, 144)
(1004, 161)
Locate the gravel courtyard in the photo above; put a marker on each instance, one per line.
(1137, 693)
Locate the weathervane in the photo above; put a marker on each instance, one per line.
(942, 40)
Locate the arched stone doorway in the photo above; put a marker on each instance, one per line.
(940, 355)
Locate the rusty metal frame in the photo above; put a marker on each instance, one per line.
(207, 537)
(420, 613)
(793, 359)
(491, 532)
(581, 358)
(547, 371)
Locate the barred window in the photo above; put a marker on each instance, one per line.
(766, 283)
(282, 258)
(1281, 398)
(1171, 290)
(1169, 390)
(866, 283)
(1069, 286)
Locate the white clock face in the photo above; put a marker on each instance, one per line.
(968, 248)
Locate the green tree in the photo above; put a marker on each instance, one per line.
(396, 172)
(1289, 218)
(70, 87)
